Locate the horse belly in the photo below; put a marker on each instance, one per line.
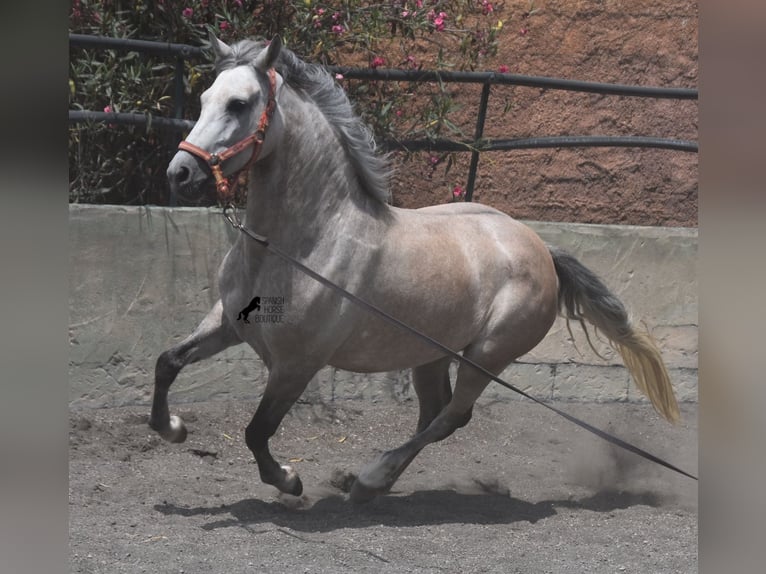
(375, 345)
(375, 354)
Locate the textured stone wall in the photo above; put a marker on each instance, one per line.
(141, 279)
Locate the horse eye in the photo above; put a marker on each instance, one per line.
(237, 106)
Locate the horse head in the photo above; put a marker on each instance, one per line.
(239, 121)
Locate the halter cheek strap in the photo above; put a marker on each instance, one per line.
(225, 188)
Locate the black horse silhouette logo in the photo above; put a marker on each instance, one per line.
(255, 305)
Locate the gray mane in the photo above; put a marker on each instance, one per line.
(331, 99)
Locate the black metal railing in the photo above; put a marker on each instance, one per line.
(475, 146)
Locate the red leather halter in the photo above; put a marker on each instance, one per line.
(226, 189)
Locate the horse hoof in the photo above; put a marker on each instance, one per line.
(361, 493)
(174, 432)
(376, 478)
(291, 484)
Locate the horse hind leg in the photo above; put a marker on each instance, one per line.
(379, 476)
(213, 335)
(432, 387)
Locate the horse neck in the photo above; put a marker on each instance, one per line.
(306, 187)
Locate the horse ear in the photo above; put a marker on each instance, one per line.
(220, 50)
(268, 57)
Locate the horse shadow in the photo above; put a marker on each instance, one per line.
(422, 508)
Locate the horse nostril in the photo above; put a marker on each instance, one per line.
(182, 175)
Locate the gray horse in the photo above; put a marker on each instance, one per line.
(465, 274)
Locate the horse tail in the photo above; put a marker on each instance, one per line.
(583, 296)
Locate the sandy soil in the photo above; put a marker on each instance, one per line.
(517, 490)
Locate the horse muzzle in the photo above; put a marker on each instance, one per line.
(188, 176)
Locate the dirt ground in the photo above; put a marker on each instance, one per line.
(635, 42)
(518, 490)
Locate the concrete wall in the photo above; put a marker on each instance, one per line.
(141, 279)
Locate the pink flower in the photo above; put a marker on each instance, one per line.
(224, 26)
(399, 113)
(419, 3)
(377, 62)
(187, 13)
(339, 77)
(238, 3)
(338, 29)
(433, 160)
(503, 69)
(486, 7)
(457, 193)
(109, 109)
(437, 19)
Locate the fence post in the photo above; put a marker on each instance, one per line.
(478, 134)
(178, 113)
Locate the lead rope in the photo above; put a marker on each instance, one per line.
(231, 216)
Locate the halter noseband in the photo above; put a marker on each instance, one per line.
(224, 187)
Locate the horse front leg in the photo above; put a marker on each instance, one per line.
(213, 335)
(282, 390)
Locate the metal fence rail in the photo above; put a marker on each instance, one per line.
(543, 142)
(476, 146)
(132, 119)
(512, 80)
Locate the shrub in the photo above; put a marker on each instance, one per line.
(124, 164)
